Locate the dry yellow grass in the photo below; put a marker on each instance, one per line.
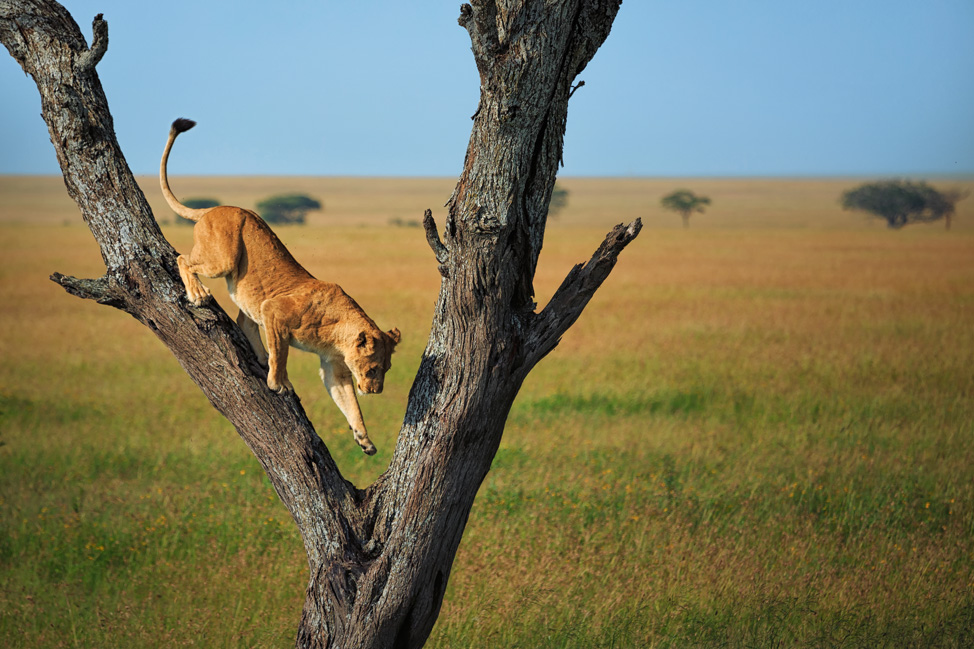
(758, 434)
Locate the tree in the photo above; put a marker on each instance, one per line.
(379, 556)
(901, 202)
(196, 204)
(685, 202)
(287, 208)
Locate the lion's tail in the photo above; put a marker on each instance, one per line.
(178, 127)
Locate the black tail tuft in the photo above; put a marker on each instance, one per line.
(182, 124)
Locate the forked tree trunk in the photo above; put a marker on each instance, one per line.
(379, 557)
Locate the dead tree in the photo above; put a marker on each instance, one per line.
(379, 557)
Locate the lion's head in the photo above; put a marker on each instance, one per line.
(371, 359)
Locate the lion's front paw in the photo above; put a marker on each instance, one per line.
(362, 439)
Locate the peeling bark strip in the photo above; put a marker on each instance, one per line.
(379, 558)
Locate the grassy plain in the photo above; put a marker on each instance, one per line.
(760, 433)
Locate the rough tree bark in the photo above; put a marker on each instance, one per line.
(379, 557)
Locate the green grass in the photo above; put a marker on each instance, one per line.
(789, 535)
(752, 438)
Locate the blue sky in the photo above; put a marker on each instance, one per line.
(688, 88)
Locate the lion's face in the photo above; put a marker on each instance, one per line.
(372, 359)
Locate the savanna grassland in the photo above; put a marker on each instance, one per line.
(759, 434)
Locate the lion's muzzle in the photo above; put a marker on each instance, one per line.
(370, 387)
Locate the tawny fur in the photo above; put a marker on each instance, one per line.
(275, 292)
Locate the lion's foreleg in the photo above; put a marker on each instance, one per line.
(341, 386)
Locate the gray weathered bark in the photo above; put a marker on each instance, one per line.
(379, 557)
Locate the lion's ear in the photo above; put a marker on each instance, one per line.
(362, 339)
(395, 336)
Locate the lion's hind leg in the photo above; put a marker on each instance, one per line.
(196, 291)
(216, 249)
(252, 331)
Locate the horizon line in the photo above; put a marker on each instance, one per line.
(963, 176)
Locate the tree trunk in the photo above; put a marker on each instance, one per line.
(379, 558)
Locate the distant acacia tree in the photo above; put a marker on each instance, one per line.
(559, 199)
(901, 202)
(287, 208)
(196, 204)
(686, 203)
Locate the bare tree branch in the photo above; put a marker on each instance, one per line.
(480, 20)
(433, 238)
(379, 558)
(578, 287)
(87, 61)
(99, 290)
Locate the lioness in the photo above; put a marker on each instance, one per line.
(276, 292)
